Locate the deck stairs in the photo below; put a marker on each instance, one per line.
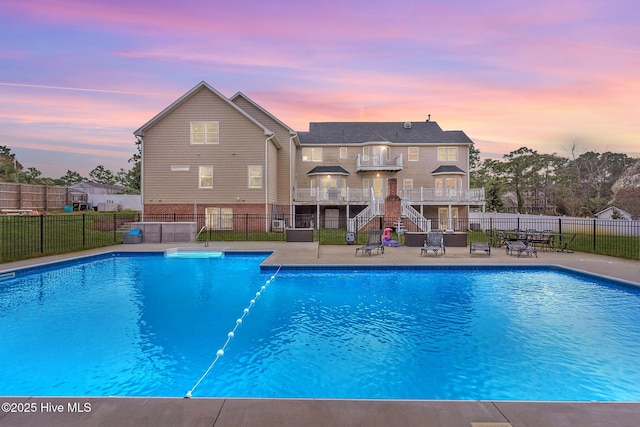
(414, 216)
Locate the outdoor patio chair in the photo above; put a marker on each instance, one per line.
(434, 242)
(521, 248)
(480, 246)
(374, 242)
(564, 244)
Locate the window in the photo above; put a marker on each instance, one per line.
(407, 183)
(343, 152)
(204, 132)
(311, 154)
(413, 154)
(219, 218)
(180, 168)
(255, 176)
(447, 154)
(447, 186)
(205, 174)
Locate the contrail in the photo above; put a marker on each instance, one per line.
(79, 89)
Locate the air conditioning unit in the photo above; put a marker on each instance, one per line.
(277, 225)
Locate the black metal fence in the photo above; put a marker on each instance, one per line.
(33, 236)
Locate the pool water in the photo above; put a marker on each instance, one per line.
(148, 325)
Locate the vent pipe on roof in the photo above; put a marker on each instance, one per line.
(428, 117)
(407, 125)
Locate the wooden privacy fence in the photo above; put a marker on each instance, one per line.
(29, 196)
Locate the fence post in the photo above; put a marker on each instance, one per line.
(83, 229)
(246, 226)
(594, 234)
(114, 228)
(41, 233)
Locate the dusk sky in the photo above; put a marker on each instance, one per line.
(77, 77)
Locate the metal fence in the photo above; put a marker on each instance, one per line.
(33, 236)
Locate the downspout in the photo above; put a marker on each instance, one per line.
(141, 174)
(266, 182)
(291, 209)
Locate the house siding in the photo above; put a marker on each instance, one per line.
(278, 162)
(249, 135)
(166, 143)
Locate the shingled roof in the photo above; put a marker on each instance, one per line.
(343, 133)
(322, 170)
(448, 169)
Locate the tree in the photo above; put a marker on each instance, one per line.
(586, 180)
(9, 167)
(70, 178)
(626, 191)
(487, 176)
(102, 175)
(32, 176)
(131, 179)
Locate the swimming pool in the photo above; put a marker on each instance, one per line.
(149, 325)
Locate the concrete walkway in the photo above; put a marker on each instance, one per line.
(159, 412)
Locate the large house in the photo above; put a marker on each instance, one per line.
(208, 154)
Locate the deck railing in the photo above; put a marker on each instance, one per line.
(442, 195)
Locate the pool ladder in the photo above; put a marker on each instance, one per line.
(206, 242)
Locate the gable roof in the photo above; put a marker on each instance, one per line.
(239, 95)
(427, 132)
(140, 131)
(622, 212)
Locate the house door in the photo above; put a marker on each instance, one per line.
(378, 188)
(445, 222)
(328, 189)
(331, 218)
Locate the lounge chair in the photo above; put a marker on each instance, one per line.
(434, 242)
(374, 241)
(480, 246)
(521, 248)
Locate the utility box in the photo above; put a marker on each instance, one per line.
(350, 237)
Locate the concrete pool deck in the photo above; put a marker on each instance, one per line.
(159, 412)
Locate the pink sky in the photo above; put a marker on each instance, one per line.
(77, 77)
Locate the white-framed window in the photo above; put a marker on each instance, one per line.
(219, 218)
(407, 183)
(365, 183)
(343, 152)
(447, 186)
(180, 168)
(414, 154)
(447, 154)
(205, 132)
(365, 154)
(311, 154)
(205, 176)
(255, 176)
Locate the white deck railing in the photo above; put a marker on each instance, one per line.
(454, 195)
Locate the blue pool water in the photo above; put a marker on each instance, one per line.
(146, 325)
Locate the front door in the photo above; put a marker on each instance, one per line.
(378, 188)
